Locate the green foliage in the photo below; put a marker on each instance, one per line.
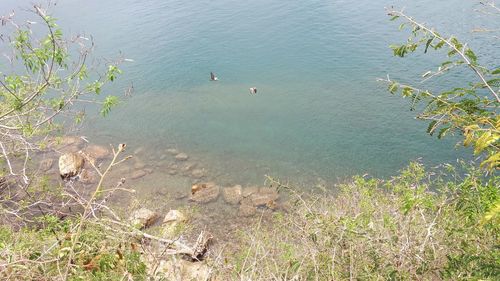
(419, 225)
(97, 258)
(469, 111)
(50, 74)
(109, 103)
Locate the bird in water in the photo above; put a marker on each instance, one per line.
(213, 77)
(253, 90)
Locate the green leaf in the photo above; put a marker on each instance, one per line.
(443, 132)
(432, 127)
(496, 71)
(407, 92)
(109, 103)
(470, 54)
(113, 70)
(454, 41)
(439, 45)
(494, 82)
(394, 18)
(393, 87)
(428, 44)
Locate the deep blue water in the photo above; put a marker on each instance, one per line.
(319, 111)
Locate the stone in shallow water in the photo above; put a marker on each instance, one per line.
(232, 195)
(138, 174)
(179, 195)
(70, 164)
(188, 166)
(265, 197)
(174, 216)
(66, 143)
(46, 164)
(88, 177)
(247, 210)
(172, 151)
(97, 151)
(139, 150)
(181, 157)
(247, 191)
(198, 173)
(139, 164)
(143, 218)
(204, 192)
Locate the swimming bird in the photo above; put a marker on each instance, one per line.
(253, 90)
(213, 77)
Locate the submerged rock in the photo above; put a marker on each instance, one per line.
(198, 173)
(247, 210)
(70, 164)
(97, 152)
(204, 192)
(247, 191)
(71, 140)
(181, 157)
(188, 167)
(138, 174)
(139, 164)
(265, 197)
(179, 195)
(67, 143)
(139, 150)
(143, 218)
(172, 151)
(88, 177)
(46, 164)
(233, 195)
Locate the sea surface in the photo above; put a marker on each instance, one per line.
(319, 113)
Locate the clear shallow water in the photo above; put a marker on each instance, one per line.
(319, 111)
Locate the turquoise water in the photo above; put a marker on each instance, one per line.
(319, 111)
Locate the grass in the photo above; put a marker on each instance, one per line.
(417, 226)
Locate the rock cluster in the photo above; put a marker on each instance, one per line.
(251, 198)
